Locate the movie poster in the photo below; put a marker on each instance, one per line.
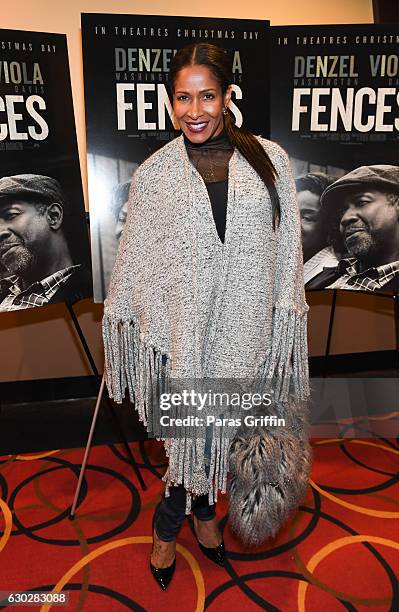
(44, 244)
(334, 108)
(129, 109)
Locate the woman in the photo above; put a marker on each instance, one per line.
(318, 253)
(208, 283)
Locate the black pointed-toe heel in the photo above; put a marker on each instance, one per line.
(163, 575)
(217, 554)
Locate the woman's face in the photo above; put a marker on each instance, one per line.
(120, 224)
(198, 103)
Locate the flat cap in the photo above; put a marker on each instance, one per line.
(32, 186)
(382, 176)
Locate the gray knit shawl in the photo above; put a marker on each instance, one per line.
(216, 310)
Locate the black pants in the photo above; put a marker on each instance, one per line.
(170, 513)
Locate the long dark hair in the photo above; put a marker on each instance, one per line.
(217, 60)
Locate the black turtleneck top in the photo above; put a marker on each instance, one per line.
(211, 159)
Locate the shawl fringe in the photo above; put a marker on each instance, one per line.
(136, 365)
(133, 364)
(186, 467)
(285, 369)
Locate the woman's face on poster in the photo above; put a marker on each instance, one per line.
(120, 224)
(309, 206)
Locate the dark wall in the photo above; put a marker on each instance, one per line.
(386, 11)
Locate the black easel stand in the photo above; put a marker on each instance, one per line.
(329, 333)
(110, 406)
(396, 311)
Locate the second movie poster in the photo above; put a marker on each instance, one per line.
(129, 108)
(44, 241)
(335, 109)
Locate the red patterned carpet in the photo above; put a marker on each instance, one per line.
(339, 552)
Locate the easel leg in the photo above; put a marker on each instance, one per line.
(110, 406)
(88, 447)
(82, 339)
(396, 314)
(329, 334)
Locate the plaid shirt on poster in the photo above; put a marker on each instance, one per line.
(371, 279)
(37, 294)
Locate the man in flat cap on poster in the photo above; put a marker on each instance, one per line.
(34, 250)
(365, 204)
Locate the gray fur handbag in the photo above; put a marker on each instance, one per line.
(269, 470)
